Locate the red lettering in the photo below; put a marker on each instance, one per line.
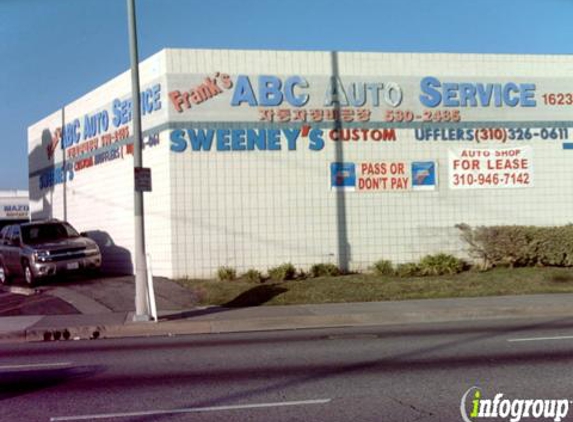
(175, 97)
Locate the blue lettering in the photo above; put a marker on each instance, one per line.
(470, 134)
(71, 134)
(178, 142)
(419, 134)
(243, 92)
(274, 139)
(484, 94)
(256, 139)
(507, 89)
(451, 95)
(528, 95)
(201, 139)
(89, 126)
(146, 102)
(290, 84)
(55, 176)
(316, 140)
(223, 140)
(292, 137)
(468, 95)
(270, 94)
(433, 98)
(238, 140)
(116, 108)
(497, 95)
(156, 97)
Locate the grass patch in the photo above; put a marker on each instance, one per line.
(367, 287)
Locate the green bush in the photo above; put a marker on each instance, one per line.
(302, 274)
(440, 264)
(283, 272)
(519, 246)
(409, 269)
(383, 267)
(253, 276)
(324, 270)
(226, 273)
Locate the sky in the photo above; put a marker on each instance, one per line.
(54, 51)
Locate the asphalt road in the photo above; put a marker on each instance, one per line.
(397, 373)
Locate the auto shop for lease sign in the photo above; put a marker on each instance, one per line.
(472, 168)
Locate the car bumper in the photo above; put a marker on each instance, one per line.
(46, 269)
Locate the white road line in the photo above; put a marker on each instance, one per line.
(515, 340)
(35, 366)
(189, 410)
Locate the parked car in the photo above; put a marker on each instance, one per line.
(40, 249)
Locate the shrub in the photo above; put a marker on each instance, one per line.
(226, 273)
(324, 270)
(383, 267)
(302, 274)
(254, 276)
(440, 264)
(409, 269)
(283, 272)
(520, 245)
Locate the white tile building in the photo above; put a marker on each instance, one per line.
(14, 206)
(249, 169)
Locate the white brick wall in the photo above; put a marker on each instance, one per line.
(262, 208)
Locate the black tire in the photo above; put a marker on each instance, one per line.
(4, 277)
(29, 276)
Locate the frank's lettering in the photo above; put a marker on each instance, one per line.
(209, 88)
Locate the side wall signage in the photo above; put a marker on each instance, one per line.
(97, 138)
(383, 176)
(363, 109)
(472, 168)
(14, 210)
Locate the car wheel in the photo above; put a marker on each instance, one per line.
(3, 274)
(29, 276)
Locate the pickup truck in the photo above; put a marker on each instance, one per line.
(40, 249)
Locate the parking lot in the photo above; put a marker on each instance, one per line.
(17, 302)
(79, 294)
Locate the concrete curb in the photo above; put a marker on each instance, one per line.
(106, 324)
(19, 290)
(129, 329)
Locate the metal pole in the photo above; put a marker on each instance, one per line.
(142, 312)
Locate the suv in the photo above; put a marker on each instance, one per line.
(45, 248)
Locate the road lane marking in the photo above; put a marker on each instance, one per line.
(189, 410)
(515, 340)
(35, 366)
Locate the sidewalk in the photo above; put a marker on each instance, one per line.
(264, 318)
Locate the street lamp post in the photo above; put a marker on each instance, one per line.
(142, 311)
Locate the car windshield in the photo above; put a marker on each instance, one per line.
(47, 232)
